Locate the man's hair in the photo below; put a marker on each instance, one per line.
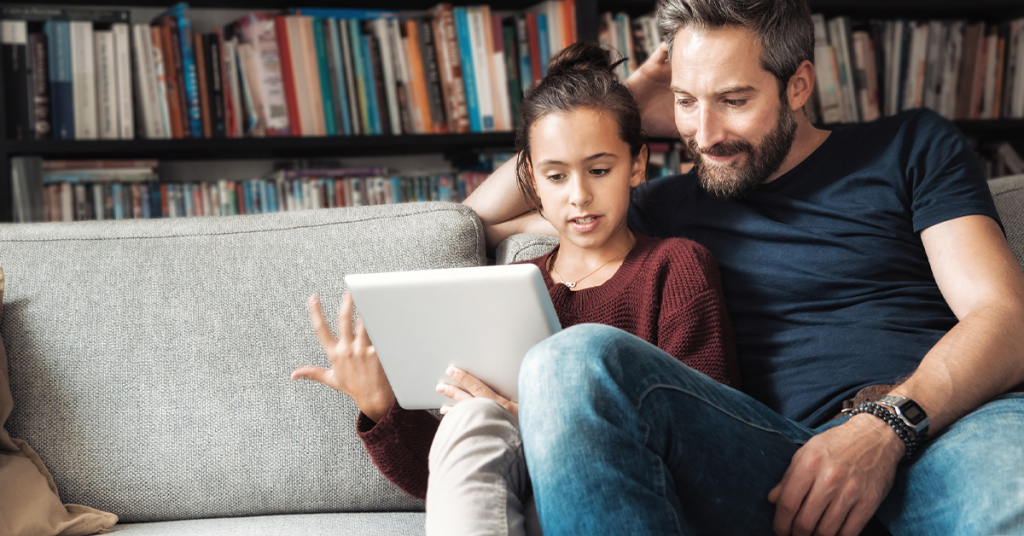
(783, 28)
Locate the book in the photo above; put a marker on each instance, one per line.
(450, 67)
(160, 74)
(106, 86)
(499, 85)
(123, 74)
(336, 72)
(262, 61)
(825, 77)
(215, 83)
(373, 51)
(178, 107)
(408, 109)
(523, 51)
(387, 73)
(83, 80)
(431, 70)
(199, 48)
(232, 90)
(345, 13)
(512, 68)
(324, 71)
(362, 78)
(38, 60)
(54, 165)
(16, 81)
(285, 42)
(468, 70)
(311, 79)
(348, 58)
(179, 12)
(145, 83)
(418, 83)
(537, 65)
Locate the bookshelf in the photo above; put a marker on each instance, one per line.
(587, 22)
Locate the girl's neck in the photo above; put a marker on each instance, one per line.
(590, 267)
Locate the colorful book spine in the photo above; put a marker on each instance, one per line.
(525, 64)
(62, 101)
(188, 64)
(370, 80)
(326, 91)
(348, 61)
(358, 58)
(339, 88)
(543, 42)
(468, 72)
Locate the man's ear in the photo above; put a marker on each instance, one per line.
(638, 172)
(800, 86)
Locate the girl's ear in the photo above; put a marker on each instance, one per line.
(639, 170)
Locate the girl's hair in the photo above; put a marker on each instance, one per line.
(580, 77)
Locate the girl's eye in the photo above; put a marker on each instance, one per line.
(556, 178)
(599, 172)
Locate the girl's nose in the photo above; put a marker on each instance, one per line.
(580, 195)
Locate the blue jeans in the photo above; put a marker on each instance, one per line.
(621, 438)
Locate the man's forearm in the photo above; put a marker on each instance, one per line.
(979, 359)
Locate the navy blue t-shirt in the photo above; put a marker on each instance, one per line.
(825, 276)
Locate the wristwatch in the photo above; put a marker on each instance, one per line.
(909, 412)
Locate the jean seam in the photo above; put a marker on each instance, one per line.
(653, 387)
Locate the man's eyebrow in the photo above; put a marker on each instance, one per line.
(723, 91)
(587, 159)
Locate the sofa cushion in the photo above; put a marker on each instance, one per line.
(376, 524)
(1008, 193)
(523, 247)
(29, 504)
(150, 359)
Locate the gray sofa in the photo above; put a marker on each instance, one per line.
(149, 361)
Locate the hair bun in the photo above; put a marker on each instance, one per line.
(580, 56)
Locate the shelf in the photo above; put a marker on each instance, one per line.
(256, 5)
(259, 148)
(872, 9)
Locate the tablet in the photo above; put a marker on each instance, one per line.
(481, 319)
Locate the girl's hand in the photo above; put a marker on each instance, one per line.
(476, 388)
(650, 85)
(355, 369)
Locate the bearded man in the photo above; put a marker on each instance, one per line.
(856, 263)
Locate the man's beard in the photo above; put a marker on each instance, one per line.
(764, 159)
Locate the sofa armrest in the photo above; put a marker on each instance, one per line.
(523, 247)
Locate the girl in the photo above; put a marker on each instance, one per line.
(581, 150)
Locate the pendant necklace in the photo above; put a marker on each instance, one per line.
(572, 284)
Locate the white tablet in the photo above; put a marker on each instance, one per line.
(482, 320)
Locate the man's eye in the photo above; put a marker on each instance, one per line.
(735, 103)
(684, 102)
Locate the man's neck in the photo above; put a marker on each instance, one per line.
(806, 140)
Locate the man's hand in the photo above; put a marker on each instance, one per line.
(473, 388)
(650, 85)
(837, 480)
(355, 369)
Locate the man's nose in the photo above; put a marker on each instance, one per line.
(709, 128)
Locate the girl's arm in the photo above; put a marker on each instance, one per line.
(399, 444)
(693, 324)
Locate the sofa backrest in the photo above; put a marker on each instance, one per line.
(1008, 193)
(150, 359)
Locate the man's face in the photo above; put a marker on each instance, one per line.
(728, 110)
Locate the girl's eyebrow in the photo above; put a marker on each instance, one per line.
(587, 159)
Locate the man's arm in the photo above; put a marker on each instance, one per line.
(837, 480)
(502, 208)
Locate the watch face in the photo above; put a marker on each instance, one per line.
(912, 412)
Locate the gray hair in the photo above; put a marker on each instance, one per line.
(783, 28)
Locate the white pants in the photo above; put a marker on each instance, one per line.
(478, 483)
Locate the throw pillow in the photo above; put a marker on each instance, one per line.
(29, 503)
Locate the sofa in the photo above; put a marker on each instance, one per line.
(149, 361)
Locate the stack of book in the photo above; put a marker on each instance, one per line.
(342, 72)
(66, 73)
(961, 70)
(78, 190)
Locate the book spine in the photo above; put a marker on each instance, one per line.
(481, 68)
(38, 58)
(450, 63)
(231, 67)
(143, 80)
(468, 69)
(172, 42)
(160, 74)
(215, 82)
(377, 104)
(362, 85)
(336, 71)
(523, 48)
(312, 83)
(123, 75)
(418, 84)
(15, 72)
(435, 93)
(537, 66)
(288, 75)
(106, 85)
(348, 60)
(407, 107)
(177, 122)
(326, 88)
(83, 80)
(512, 71)
(271, 83)
(499, 83)
(387, 68)
(61, 97)
(191, 74)
(199, 47)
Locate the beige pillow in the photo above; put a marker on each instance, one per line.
(29, 504)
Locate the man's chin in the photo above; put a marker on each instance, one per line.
(726, 182)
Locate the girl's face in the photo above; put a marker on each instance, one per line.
(583, 171)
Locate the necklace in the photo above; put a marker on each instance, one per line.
(572, 284)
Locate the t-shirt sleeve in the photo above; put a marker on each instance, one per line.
(399, 445)
(942, 173)
(693, 324)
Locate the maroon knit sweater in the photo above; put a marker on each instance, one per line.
(667, 292)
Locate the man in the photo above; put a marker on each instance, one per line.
(865, 260)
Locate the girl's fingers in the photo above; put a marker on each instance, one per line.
(473, 385)
(453, 392)
(316, 317)
(316, 374)
(345, 319)
(362, 339)
(445, 409)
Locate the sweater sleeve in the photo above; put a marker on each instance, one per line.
(399, 445)
(693, 323)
